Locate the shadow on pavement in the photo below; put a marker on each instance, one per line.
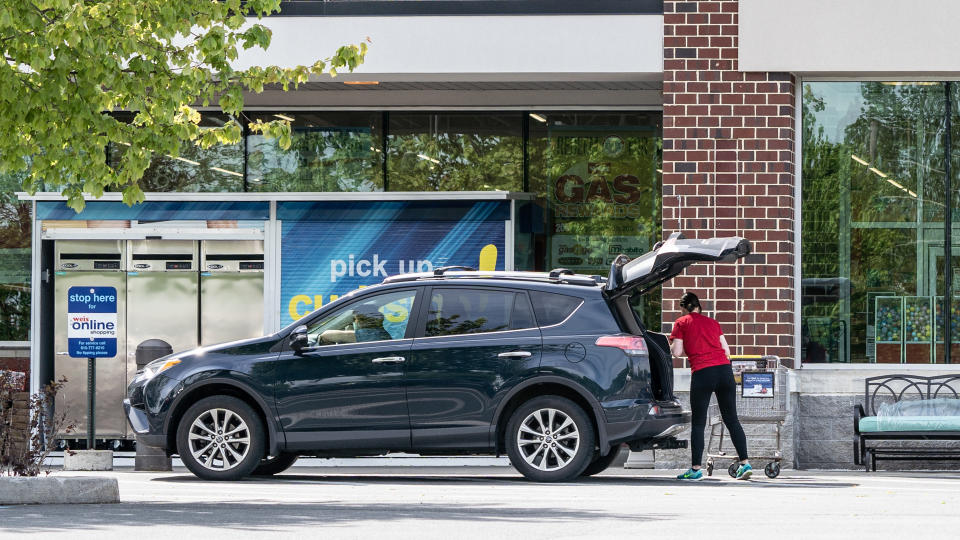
(267, 516)
(473, 479)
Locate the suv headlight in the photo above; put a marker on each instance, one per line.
(153, 368)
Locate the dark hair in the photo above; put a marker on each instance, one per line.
(690, 302)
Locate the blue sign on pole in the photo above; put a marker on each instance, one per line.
(92, 322)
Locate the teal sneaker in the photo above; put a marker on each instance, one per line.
(744, 472)
(691, 474)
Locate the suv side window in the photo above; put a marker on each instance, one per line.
(552, 308)
(380, 317)
(475, 311)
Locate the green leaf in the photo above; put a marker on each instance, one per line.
(158, 58)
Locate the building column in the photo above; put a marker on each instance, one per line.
(728, 170)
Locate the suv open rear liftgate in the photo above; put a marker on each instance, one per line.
(639, 276)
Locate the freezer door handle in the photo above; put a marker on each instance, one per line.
(389, 360)
(515, 354)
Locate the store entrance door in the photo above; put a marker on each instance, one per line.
(935, 264)
(936, 286)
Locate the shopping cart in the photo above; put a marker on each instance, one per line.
(762, 399)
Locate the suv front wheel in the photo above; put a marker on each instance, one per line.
(220, 438)
(550, 439)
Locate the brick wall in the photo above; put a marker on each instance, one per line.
(12, 361)
(728, 140)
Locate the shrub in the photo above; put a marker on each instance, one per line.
(28, 427)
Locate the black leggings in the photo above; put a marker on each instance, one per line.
(715, 380)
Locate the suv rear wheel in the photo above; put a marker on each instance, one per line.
(550, 439)
(220, 438)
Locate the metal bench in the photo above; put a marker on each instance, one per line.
(868, 442)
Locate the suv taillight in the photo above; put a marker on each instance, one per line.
(629, 344)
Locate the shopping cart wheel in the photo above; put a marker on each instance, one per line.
(732, 469)
(709, 467)
(772, 470)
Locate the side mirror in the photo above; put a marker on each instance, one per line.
(298, 339)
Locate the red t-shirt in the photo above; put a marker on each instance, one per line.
(701, 340)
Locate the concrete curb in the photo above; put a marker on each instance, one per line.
(58, 490)
(88, 460)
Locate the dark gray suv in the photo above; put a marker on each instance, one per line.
(554, 369)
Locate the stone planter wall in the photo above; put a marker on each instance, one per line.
(15, 420)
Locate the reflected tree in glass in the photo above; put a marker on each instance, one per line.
(15, 238)
(873, 194)
(215, 169)
(455, 152)
(319, 159)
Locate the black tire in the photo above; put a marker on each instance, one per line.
(602, 463)
(236, 459)
(772, 470)
(576, 447)
(732, 469)
(272, 465)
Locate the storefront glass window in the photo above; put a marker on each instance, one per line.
(455, 152)
(218, 168)
(330, 151)
(874, 200)
(597, 177)
(14, 260)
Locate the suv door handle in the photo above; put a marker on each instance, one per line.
(389, 360)
(515, 354)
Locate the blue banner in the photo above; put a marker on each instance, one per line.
(92, 322)
(157, 210)
(323, 260)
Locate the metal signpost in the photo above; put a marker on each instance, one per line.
(92, 334)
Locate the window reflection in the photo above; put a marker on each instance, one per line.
(473, 312)
(218, 168)
(455, 152)
(330, 151)
(15, 230)
(873, 209)
(598, 174)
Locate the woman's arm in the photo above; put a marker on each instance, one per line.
(676, 347)
(723, 343)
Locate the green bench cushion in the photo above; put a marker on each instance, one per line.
(875, 424)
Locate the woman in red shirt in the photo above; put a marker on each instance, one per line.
(700, 338)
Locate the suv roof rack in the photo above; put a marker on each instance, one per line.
(443, 269)
(560, 275)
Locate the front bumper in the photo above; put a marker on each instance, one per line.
(147, 407)
(140, 423)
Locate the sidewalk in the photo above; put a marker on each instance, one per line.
(493, 501)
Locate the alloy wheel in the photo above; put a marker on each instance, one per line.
(219, 439)
(548, 439)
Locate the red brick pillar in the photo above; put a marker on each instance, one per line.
(728, 170)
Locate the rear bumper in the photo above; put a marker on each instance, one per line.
(662, 422)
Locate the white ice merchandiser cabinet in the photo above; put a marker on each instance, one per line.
(231, 290)
(91, 263)
(162, 287)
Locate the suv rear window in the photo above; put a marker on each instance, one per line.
(474, 311)
(552, 308)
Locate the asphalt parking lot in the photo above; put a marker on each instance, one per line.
(492, 501)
